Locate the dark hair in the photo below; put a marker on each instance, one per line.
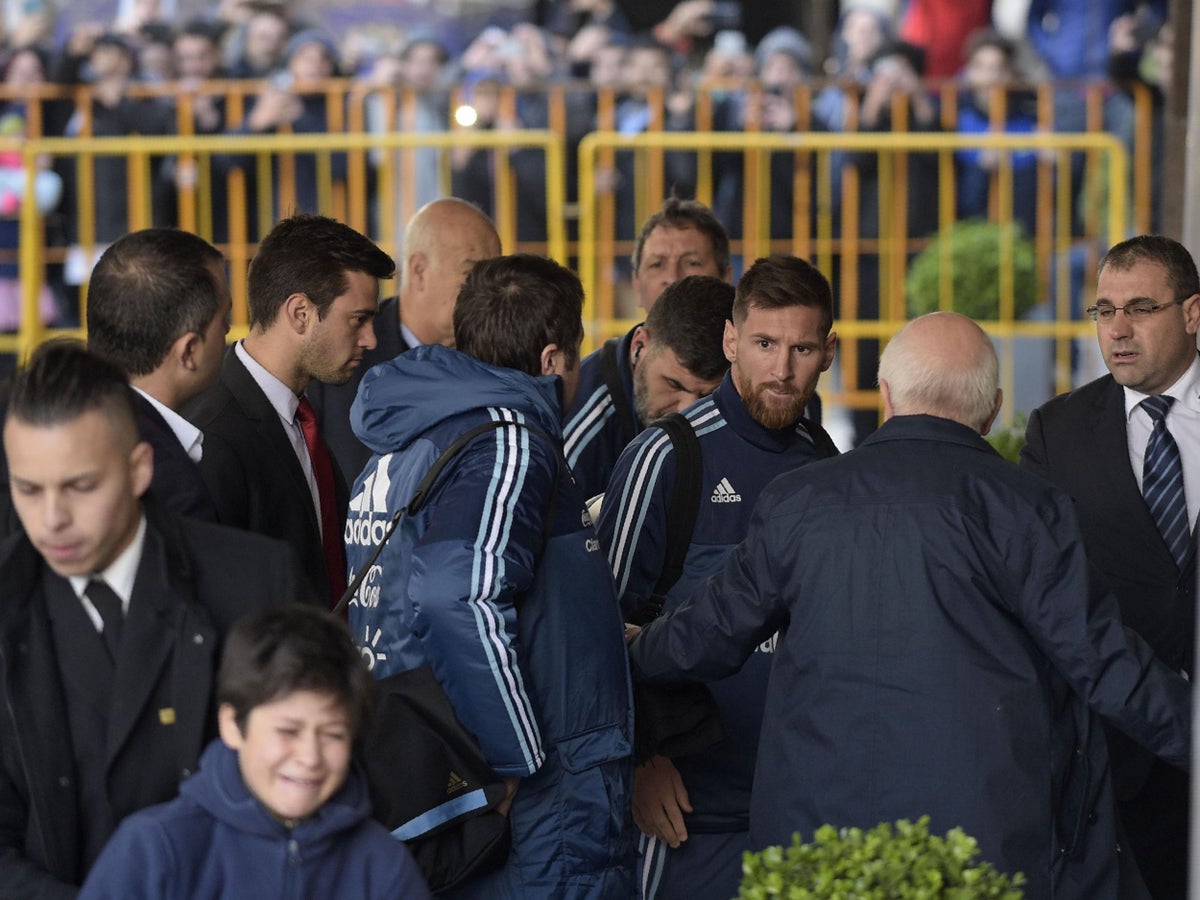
(511, 307)
(1168, 253)
(676, 213)
(780, 281)
(147, 290)
(989, 37)
(39, 53)
(425, 40)
(292, 647)
(201, 28)
(310, 255)
(910, 53)
(62, 381)
(689, 319)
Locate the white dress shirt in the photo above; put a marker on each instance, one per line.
(285, 403)
(120, 576)
(1183, 421)
(189, 436)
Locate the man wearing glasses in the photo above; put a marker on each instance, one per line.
(1126, 447)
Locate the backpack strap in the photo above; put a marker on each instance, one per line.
(610, 368)
(421, 494)
(682, 511)
(823, 443)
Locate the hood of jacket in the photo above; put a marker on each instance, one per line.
(218, 788)
(401, 399)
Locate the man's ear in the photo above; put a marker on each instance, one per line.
(885, 394)
(828, 351)
(729, 341)
(638, 344)
(186, 350)
(418, 265)
(299, 312)
(987, 426)
(553, 360)
(1191, 313)
(141, 467)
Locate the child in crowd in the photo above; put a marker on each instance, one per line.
(276, 809)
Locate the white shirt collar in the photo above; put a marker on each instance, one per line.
(279, 395)
(191, 437)
(1186, 391)
(409, 338)
(121, 572)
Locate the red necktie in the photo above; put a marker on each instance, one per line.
(331, 530)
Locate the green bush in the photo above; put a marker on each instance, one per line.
(1009, 441)
(885, 863)
(975, 263)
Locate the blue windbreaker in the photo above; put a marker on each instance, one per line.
(498, 584)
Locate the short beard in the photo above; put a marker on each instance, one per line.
(771, 415)
(641, 399)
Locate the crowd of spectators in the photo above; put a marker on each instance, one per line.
(695, 68)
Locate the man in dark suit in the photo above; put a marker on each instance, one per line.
(112, 616)
(1097, 444)
(441, 243)
(158, 308)
(313, 292)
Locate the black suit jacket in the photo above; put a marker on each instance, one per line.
(332, 401)
(194, 580)
(1078, 441)
(252, 472)
(177, 483)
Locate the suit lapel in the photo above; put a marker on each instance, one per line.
(258, 409)
(1108, 455)
(146, 643)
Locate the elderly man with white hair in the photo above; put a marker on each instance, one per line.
(940, 649)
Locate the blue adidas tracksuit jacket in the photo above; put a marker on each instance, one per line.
(516, 614)
(739, 458)
(593, 434)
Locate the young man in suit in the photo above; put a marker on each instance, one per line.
(158, 308)
(314, 292)
(112, 616)
(443, 240)
(1099, 444)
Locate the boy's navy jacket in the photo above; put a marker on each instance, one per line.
(498, 583)
(217, 841)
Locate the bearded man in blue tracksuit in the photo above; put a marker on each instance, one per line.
(694, 811)
(498, 583)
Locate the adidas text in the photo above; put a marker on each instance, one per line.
(725, 493)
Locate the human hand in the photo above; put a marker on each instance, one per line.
(510, 785)
(688, 19)
(660, 800)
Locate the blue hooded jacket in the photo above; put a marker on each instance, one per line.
(546, 691)
(215, 840)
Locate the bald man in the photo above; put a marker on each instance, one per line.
(441, 243)
(934, 615)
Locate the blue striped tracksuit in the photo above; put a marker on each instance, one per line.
(739, 458)
(515, 614)
(593, 434)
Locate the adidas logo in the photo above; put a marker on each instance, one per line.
(457, 783)
(725, 493)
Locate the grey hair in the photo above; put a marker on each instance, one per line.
(952, 384)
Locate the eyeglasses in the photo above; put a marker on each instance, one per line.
(1138, 310)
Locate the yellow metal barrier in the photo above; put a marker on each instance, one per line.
(893, 245)
(140, 150)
